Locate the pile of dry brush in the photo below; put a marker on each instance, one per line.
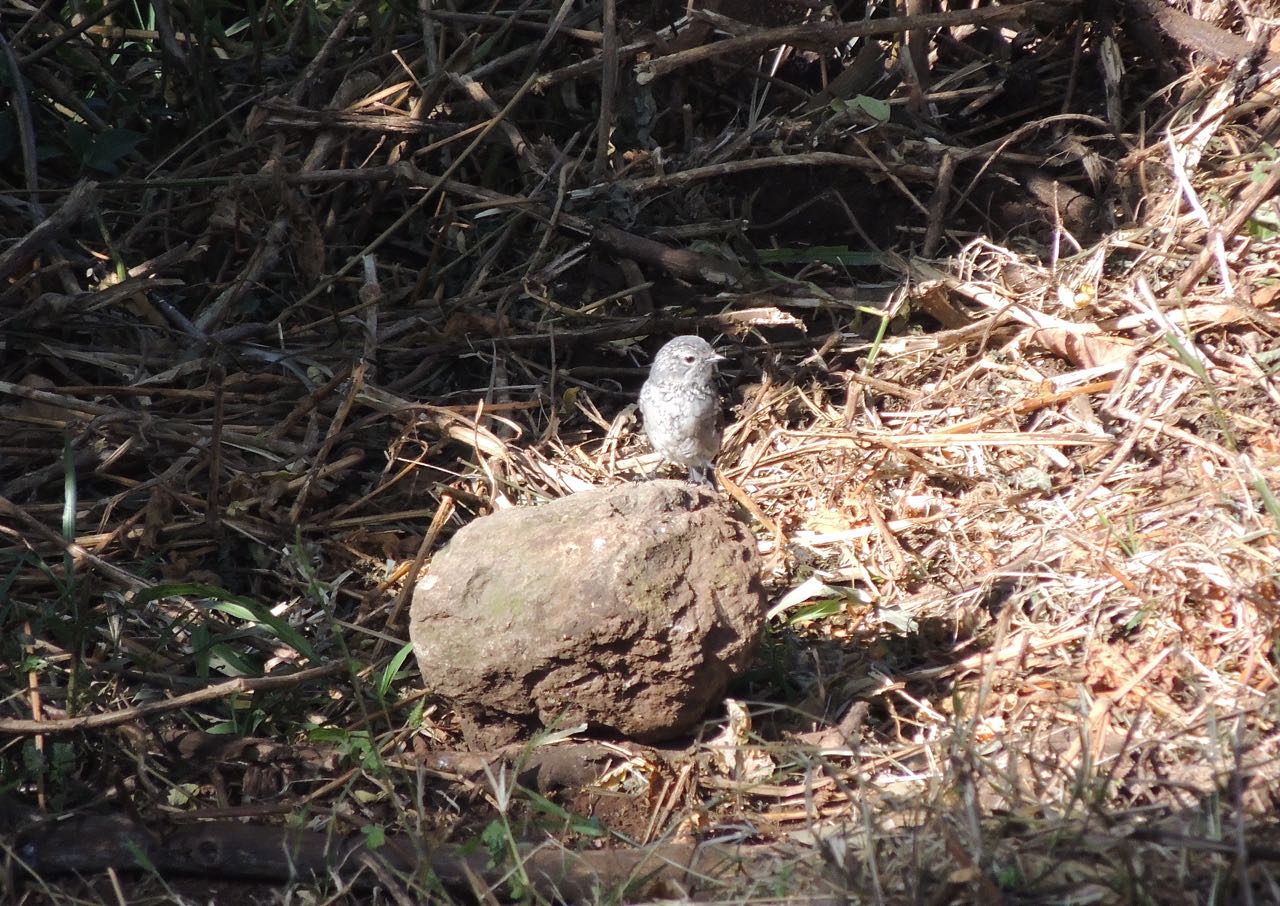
(288, 298)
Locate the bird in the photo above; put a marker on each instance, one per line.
(680, 407)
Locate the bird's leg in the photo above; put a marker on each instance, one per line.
(704, 475)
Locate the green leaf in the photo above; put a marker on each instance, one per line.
(140, 855)
(63, 759)
(392, 670)
(201, 648)
(375, 835)
(79, 139)
(32, 759)
(587, 827)
(68, 490)
(223, 728)
(327, 734)
(233, 606)
(494, 838)
(229, 662)
(1268, 498)
(32, 663)
(1191, 361)
(106, 150)
(873, 107)
(1261, 231)
(816, 593)
(817, 610)
(182, 795)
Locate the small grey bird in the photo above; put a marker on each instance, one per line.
(680, 407)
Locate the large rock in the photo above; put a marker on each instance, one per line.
(630, 608)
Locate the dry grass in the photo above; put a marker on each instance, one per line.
(1021, 500)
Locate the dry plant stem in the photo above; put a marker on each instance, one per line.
(683, 178)
(169, 45)
(751, 507)
(279, 113)
(993, 150)
(731, 27)
(1240, 214)
(578, 34)
(268, 252)
(826, 35)
(557, 21)
(78, 205)
(372, 298)
(1199, 35)
(892, 177)
(1016, 650)
(437, 183)
(313, 399)
(1213, 238)
(438, 521)
(1121, 456)
(339, 512)
(564, 171)
(1158, 427)
(212, 693)
(262, 260)
(26, 129)
(519, 146)
(586, 67)
(66, 34)
(37, 15)
(608, 87)
(918, 45)
(78, 553)
(1077, 50)
(1023, 407)
(213, 510)
(37, 710)
(666, 804)
(938, 206)
(734, 321)
(430, 44)
(349, 92)
(70, 99)
(331, 437)
(311, 74)
(94, 844)
(679, 262)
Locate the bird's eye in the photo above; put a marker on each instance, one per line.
(688, 359)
